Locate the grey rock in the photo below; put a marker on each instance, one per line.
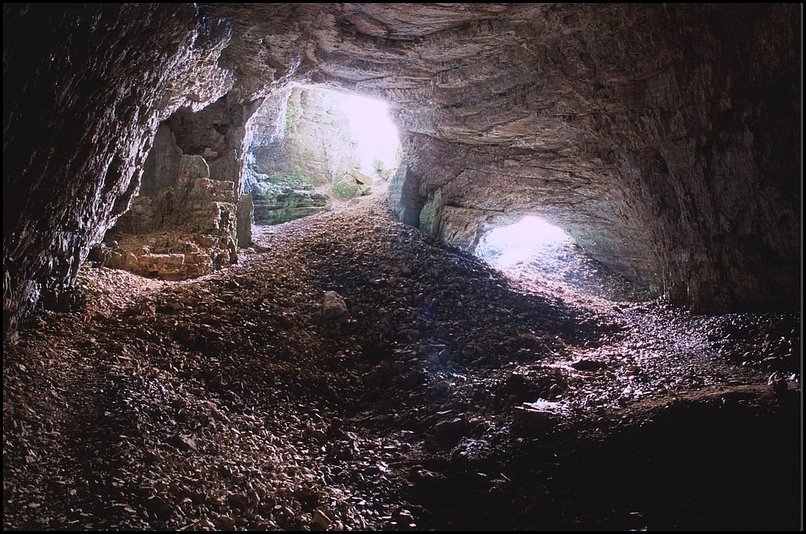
(244, 216)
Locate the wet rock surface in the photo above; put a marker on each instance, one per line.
(437, 393)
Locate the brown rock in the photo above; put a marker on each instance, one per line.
(334, 308)
(320, 521)
(451, 430)
(588, 365)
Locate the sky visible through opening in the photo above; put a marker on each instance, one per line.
(373, 129)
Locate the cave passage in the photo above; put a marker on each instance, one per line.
(213, 173)
(535, 253)
(312, 147)
(376, 135)
(358, 374)
(233, 299)
(528, 240)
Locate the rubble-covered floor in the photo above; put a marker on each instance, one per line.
(450, 397)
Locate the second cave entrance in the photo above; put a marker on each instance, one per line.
(536, 252)
(298, 152)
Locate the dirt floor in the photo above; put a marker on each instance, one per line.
(447, 395)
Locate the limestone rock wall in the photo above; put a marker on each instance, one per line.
(664, 137)
(84, 89)
(189, 214)
(315, 141)
(217, 133)
(182, 224)
(300, 141)
(405, 199)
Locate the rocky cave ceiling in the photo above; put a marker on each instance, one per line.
(665, 138)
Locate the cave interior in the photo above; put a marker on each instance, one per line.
(551, 281)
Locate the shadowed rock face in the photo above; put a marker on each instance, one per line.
(84, 89)
(664, 138)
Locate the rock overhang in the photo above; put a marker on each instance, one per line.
(664, 138)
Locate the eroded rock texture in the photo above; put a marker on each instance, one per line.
(665, 138)
(84, 88)
(189, 216)
(662, 138)
(313, 137)
(182, 224)
(299, 141)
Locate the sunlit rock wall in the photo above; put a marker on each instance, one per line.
(300, 141)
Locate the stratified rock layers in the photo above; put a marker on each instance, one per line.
(300, 140)
(665, 138)
(189, 216)
(84, 89)
(182, 225)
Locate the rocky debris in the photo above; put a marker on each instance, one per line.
(778, 383)
(530, 382)
(170, 255)
(764, 341)
(451, 430)
(158, 508)
(186, 443)
(320, 521)
(334, 307)
(63, 300)
(345, 189)
(351, 185)
(280, 198)
(182, 225)
(103, 405)
(539, 416)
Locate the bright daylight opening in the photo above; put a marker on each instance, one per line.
(316, 149)
(373, 129)
(538, 254)
(506, 246)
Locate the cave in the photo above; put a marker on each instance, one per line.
(219, 315)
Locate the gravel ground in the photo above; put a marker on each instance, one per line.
(431, 391)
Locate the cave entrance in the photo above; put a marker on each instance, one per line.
(522, 242)
(542, 255)
(310, 148)
(298, 152)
